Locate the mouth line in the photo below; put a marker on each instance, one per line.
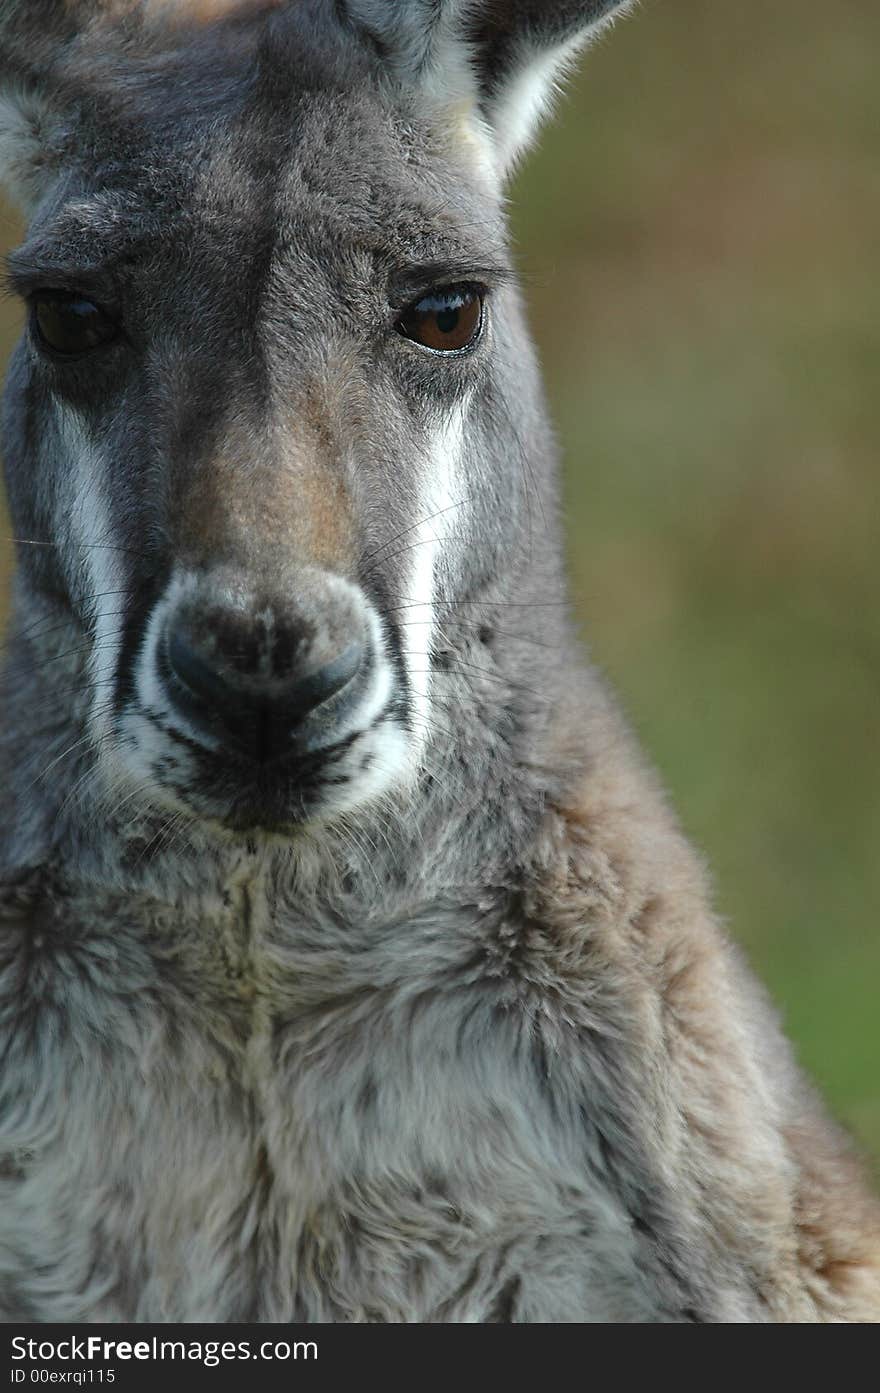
(276, 796)
(299, 760)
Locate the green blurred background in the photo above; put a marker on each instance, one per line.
(700, 231)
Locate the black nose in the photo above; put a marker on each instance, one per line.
(264, 713)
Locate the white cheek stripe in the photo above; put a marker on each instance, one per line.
(94, 544)
(439, 514)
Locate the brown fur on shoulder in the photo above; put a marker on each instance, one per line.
(625, 901)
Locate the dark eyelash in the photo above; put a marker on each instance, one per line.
(406, 287)
(452, 289)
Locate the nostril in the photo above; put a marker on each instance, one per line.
(314, 688)
(194, 674)
(260, 715)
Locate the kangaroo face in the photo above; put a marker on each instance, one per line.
(266, 417)
(251, 386)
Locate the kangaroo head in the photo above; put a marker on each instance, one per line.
(270, 411)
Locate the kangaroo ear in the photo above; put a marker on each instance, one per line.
(33, 35)
(36, 36)
(510, 53)
(522, 49)
(26, 160)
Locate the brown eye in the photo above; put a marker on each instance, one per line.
(69, 325)
(446, 321)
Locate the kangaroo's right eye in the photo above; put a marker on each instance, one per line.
(67, 324)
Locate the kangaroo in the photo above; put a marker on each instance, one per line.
(352, 965)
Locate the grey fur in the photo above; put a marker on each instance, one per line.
(456, 1037)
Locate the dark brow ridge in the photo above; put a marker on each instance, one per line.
(24, 279)
(27, 272)
(51, 258)
(406, 281)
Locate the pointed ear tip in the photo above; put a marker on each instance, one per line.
(525, 98)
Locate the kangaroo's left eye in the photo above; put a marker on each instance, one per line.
(69, 325)
(446, 321)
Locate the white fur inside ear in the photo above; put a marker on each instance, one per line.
(427, 47)
(518, 107)
(24, 145)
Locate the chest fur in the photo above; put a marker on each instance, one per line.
(301, 1123)
(221, 1140)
